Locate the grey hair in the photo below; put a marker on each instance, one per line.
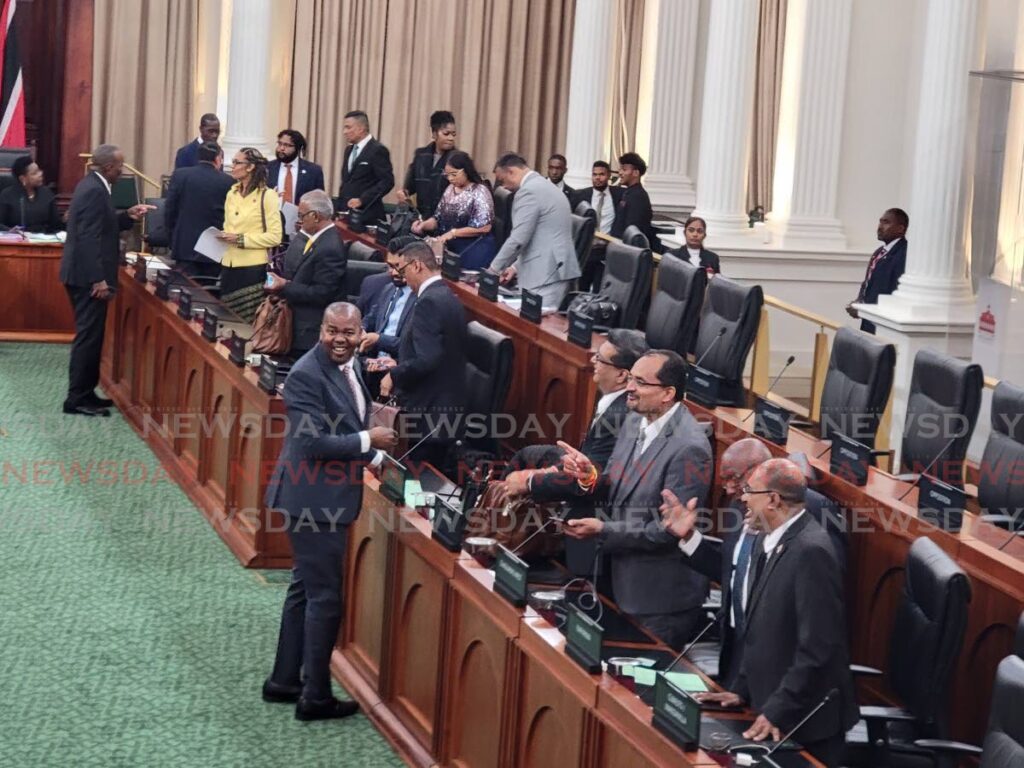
(319, 202)
(104, 154)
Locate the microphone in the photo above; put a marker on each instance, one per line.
(422, 440)
(553, 272)
(549, 521)
(721, 333)
(719, 614)
(828, 697)
(928, 468)
(355, 216)
(771, 386)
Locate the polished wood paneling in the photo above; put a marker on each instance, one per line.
(35, 306)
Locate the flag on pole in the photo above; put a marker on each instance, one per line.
(12, 96)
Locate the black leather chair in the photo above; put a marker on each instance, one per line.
(945, 395)
(627, 281)
(362, 252)
(857, 386)
(502, 215)
(157, 234)
(1004, 742)
(582, 208)
(583, 236)
(924, 646)
(489, 359)
(633, 236)
(1000, 492)
(356, 271)
(1018, 639)
(737, 309)
(674, 315)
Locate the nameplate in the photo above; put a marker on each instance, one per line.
(583, 640)
(267, 379)
(849, 459)
(210, 325)
(140, 269)
(531, 307)
(185, 304)
(236, 349)
(510, 577)
(581, 329)
(162, 283)
(449, 525)
(393, 475)
(451, 266)
(487, 285)
(676, 714)
(940, 504)
(771, 421)
(702, 386)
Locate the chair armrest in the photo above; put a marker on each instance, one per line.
(1006, 522)
(907, 477)
(858, 669)
(954, 747)
(886, 714)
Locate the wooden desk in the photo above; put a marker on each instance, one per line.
(35, 305)
(214, 430)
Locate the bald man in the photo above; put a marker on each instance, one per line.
(794, 646)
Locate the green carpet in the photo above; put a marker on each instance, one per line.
(129, 633)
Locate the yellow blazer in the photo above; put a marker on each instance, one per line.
(242, 217)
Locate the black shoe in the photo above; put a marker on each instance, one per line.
(85, 409)
(98, 402)
(329, 709)
(280, 694)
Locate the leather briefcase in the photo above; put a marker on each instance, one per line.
(272, 329)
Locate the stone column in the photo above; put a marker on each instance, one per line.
(726, 117)
(810, 125)
(249, 60)
(589, 123)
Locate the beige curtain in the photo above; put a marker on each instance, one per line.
(502, 66)
(771, 34)
(144, 56)
(627, 52)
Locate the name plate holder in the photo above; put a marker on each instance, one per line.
(487, 285)
(510, 577)
(267, 379)
(236, 350)
(393, 475)
(581, 329)
(583, 640)
(449, 525)
(210, 325)
(849, 459)
(162, 283)
(771, 421)
(676, 714)
(702, 386)
(140, 269)
(531, 307)
(185, 304)
(451, 266)
(941, 504)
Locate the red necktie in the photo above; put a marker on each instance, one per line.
(875, 258)
(288, 191)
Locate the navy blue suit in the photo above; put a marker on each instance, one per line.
(317, 484)
(377, 319)
(187, 156)
(369, 294)
(884, 280)
(195, 201)
(309, 177)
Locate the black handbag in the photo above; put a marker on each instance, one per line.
(399, 225)
(602, 310)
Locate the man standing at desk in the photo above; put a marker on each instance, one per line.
(366, 172)
(317, 484)
(88, 270)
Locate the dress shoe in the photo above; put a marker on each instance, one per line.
(280, 694)
(98, 402)
(328, 709)
(85, 409)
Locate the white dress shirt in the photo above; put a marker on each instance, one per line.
(605, 403)
(694, 255)
(357, 392)
(357, 151)
(282, 175)
(104, 180)
(428, 282)
(650, 430)
(607, 210)
(771, 540)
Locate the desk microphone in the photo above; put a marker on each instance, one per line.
(422, 440)
(721, 333)
(771, 386)
(554, 273)
(719, 614)
(929, 467)
(550, 520)
(828, 697)
(359, 225)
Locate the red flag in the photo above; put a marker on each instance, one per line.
(12, 96)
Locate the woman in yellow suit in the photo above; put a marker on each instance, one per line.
(252, 226)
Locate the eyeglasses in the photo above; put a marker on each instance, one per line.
(596, 357)
(631, 379)
(304, 215)
(748, 491)
(400, 270)
(452, 174)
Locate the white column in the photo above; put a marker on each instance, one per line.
(726, 116)
(810, 125)
(589, 123)
(251, 30)
(669, 179)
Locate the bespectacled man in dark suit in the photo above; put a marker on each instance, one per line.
(291, 174)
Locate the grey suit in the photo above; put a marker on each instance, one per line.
(540, 240)
(651, 579)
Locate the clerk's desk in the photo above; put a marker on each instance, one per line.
(882, 528)
(453, 674)
(35, 306)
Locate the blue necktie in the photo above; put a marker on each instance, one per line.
(739, 575)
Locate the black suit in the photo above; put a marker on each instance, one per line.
(310, 176)
(317, 484)
(586, 195)
(36, 215)
(569, 192)
(195, 201)
(91, 255)
(884, 279)
(426, 179)
(316, 278)
(188, 155)
(634, 209)
(795, 647)
(708, 259)
(430, 378)
(370, 179)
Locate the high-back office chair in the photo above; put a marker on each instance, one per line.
(857, 386)
(583, 236)
(358, 270)
(737, 309)
(1018, 638)
(674, 314)
(583, 207)
(362, 252)
(925, 643)
(627, 280)
(1000, 493)
(502, 215)
(633, 236)
(489, 358)
(1004, 741)
(942, 409)
(157, 234)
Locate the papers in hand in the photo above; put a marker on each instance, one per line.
(210, 246)
(290, 211)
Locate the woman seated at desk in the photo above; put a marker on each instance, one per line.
(465, 214)
(26, 203)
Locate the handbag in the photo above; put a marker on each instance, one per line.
(272, 329)
(511, 521)
(385, 414)
(599, 308)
